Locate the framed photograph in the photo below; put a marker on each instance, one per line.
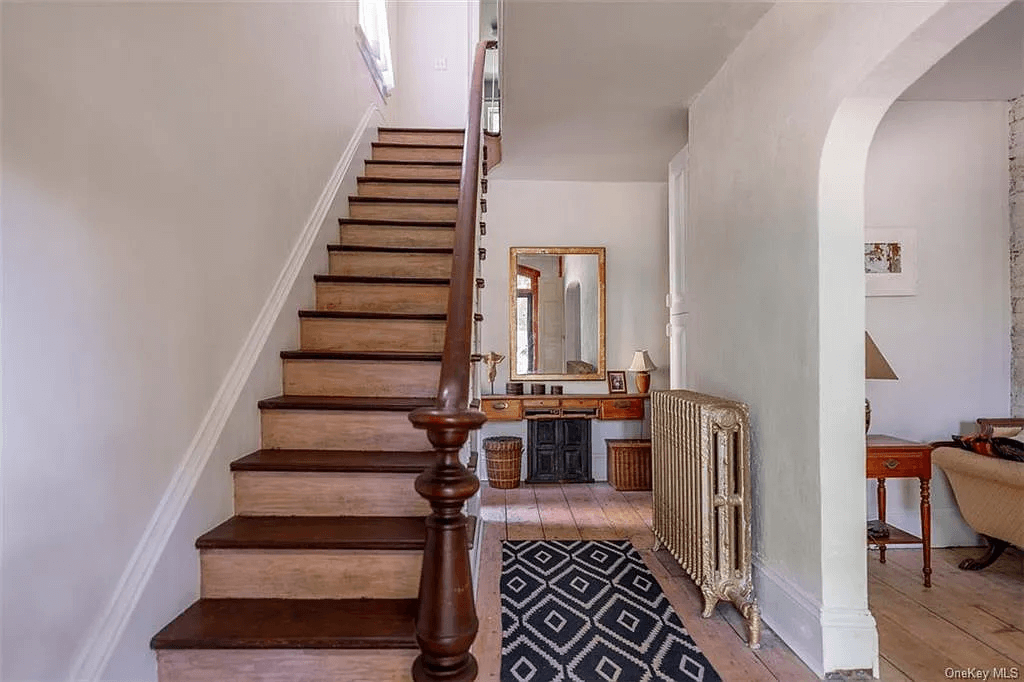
(617, 381)
(890, 261)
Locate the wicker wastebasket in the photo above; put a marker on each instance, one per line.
(504, 456)
(629, 463)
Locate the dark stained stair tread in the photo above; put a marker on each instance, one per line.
(387, 222)
(314, 402)
(422, 130)
(416, 145)
(399, 200)
(403, 162)
(406, 356)
(407, 181)
(323, 533)
(345, 315)
(359, 279)
(292, 624)
(390, 249)
(317, 532)
(336, 461)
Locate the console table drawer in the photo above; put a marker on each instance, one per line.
(503, 410)
(898, 465)
(530, 403)
(581, 403)
(622, 408)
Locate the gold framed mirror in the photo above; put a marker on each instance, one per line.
(556, 303)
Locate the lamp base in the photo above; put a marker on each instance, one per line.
(643, 381)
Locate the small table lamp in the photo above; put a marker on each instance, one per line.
(875, 367)
(642, 365)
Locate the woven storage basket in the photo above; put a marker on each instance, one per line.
(629, 463)
(504, 460)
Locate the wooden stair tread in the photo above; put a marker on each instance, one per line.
(317, 532)
(330, 402)
(292, 624)
(403, 162)
(365, 279)
(387, 222)
(400, 200)
(380, 356)
(414, 145)
(336, 461)
(422, 130)
(407, 181)
(443, 250)
(345, 315)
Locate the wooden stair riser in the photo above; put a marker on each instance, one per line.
(361, 378)
(310, 574)
(285, 665)
(413, 170)
(417, 154)
(426, 336)
(409, 190)
(358, 297)
(422, 136)
(386, 236)
(368, 264)
(269, 493)
(400, 210)
(340, 430)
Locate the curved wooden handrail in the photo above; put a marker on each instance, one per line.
(446, 621)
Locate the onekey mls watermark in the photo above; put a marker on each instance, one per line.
(998, 673)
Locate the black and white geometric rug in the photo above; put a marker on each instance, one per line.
(589, 611)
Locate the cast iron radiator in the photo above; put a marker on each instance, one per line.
(700, 449)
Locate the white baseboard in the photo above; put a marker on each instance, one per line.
(791, 613)
(825, 639)
(105, 632)
(849, 640)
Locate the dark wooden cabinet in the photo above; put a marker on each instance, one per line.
(558, 450)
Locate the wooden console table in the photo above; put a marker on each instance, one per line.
(889, 457)
(592, 406)
(559, 440)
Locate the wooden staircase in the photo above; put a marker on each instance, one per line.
(316, 576)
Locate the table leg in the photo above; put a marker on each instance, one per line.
(881, 516)
(926, 530)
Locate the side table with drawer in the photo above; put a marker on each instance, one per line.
(889, 457)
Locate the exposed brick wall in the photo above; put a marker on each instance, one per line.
(1016, 255)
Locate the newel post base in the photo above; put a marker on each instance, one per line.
(446, 623)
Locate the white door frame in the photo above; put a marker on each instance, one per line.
(677, 299)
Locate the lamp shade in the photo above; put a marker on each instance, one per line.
(642, 362)
(875, 364)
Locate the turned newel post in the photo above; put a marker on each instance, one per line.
(446, 622)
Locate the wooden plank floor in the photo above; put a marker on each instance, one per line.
(599, 512)
(967, 619)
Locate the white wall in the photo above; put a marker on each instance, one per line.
(159, 163)
(629, 220)
(940, 168)
(426, 32)
(775, 272)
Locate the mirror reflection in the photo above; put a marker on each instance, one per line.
(557, 313)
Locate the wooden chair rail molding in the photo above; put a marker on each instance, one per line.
(446, 622)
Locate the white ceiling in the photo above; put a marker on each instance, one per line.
(989, 65)
(598, 90)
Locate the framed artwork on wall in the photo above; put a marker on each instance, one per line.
(890, 261)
